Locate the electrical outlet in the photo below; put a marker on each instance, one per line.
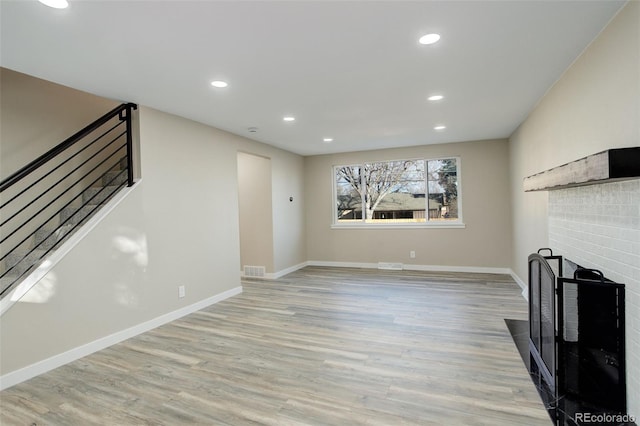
(412, 254)
(181, 291)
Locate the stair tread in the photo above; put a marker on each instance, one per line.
(98, 195)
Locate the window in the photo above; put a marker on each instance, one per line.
(398, 192)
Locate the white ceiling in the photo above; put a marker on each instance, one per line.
(353, 71)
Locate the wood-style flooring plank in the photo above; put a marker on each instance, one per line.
(321, 346)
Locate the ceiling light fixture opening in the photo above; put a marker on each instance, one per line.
(429, 38)
(435, 98)
(440, 127)
(327, 140)
(219, 84)
(56, 4)
(289, 118)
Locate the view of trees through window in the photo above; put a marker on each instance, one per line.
(401, 191)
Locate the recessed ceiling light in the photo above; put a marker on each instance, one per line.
(435, 97)
(327, 140)
(289, 118)
(219, 83)
(440, 127)
(56, 4)
(429, 38)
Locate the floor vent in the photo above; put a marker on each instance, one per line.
(254, 271)
(390, 266)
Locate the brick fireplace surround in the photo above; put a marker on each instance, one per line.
(598, 226)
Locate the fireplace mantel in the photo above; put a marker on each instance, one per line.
(606, 166)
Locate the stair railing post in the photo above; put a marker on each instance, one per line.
(129, 146)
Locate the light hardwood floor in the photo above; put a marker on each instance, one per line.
(321, 346)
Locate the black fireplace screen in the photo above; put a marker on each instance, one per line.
(591, 351)
(542, 316)
(576, 332)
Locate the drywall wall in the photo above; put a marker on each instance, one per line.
(178, 226)
(289, 235)
(288, 220)
(37, 115)
(484, 242)
(593, 107)
(254, 200)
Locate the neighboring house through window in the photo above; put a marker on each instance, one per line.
(405, 192)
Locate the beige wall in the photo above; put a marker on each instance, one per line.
(287, 180)
(178, 226)
(37, 115)
(171, 230)
(254, 199)
(289, 234)
(593, 107)
(485, 242)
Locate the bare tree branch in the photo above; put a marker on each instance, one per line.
(374, 181)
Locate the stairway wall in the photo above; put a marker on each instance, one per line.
(36, 115)
(177, 226)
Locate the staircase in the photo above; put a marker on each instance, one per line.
(19, 263)
(36, 220)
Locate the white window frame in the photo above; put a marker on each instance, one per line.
(456, 223)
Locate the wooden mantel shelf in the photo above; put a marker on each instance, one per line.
(605, 166)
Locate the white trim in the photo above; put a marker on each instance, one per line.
(58, 254)
(406, 267)
(40, 367)
(522, 284)
(407, 225)
(468, 269)
(360, 265)
(286, 271)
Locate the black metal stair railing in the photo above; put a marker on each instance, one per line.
(44, 202)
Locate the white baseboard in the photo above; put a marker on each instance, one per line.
(406, 267)
(469, 269)
(343, 264)
(522, 284)
(19, 376)
(286, 271)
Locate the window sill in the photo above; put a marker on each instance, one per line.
(449, 225)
